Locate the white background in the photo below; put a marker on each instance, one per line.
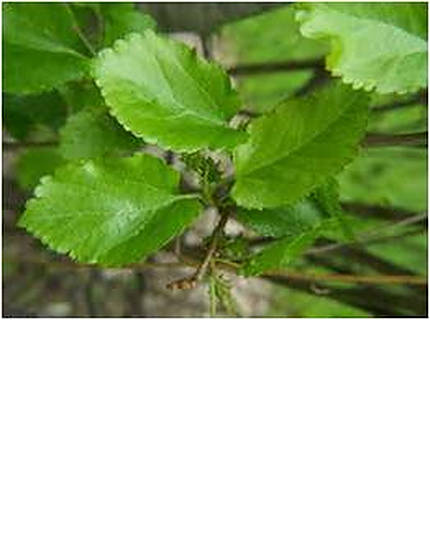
(223, 439)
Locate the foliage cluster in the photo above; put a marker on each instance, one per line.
(97, 85)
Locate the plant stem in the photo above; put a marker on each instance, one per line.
(192, 281)
(78, 30)
(17, 145)
(352, 278)
(372, 235)
(267, 67)
(415, 139)
(200, 272)
(420, 97)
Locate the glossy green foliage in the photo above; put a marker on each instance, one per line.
(122, 18)
(41, 49)
(298, 146)
(35, 163)
(114, 212)
(163, 92)
(99, 205)
(91, 133)
(380, 45)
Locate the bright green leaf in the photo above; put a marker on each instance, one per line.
(298, 146)
(122, 18)
(163, 92)
(40, 47)
(35, 163)
(380, 45)
(114, 212)
(91, 133)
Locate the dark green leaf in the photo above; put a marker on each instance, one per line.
(21, 114)
(123, 18)
(91, 133)
(35, 163)
(298, 146)
(40, 47)
(279, 254)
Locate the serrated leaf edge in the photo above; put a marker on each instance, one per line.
(347, 161)
(302, 15)
(152, 139)
(38, 193)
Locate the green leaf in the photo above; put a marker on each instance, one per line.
(327, 199)
(279, 254)
(380, 45)
(34, 163)
(160, 90)
(22, 113)
(91, 133)
(114, 212)
(123, 18)
(284, 220)
(298, 146)
(40, 47)
(81, 95)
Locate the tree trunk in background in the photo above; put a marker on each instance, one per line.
(202, 17)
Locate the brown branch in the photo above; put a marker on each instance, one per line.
(377, 211)
(374, 299)
(283, 66)
(77, 29)
(318, 79)
(415, 139)
(420, 97)
(372, 235)
(352, 278)
(17, 145)
(192, 281)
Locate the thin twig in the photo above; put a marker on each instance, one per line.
(371, 235)
(420, 97)
(192, 281)
(283, 66)
(393, 213)
(78, 30)
(212, 246)
(18, 145)
(205, 40)
(415, 139)
(318, 79)
(351, 278)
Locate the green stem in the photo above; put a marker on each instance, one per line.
(78, 30)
